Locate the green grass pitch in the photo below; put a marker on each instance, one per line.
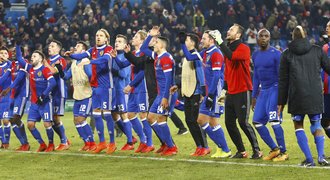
(72, 164)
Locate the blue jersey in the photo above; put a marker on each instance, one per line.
(41, 78)
(138, 81)
(20, 86)
(164, 69)
(121, 75)
(61, 89)
(213, 63)
(101, 73)
(266, 69)
(5, 71)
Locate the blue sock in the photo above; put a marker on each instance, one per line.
(50, 135)
(220, 138)
(88, 131)
(207, 128)
(303, 144)
(6, 131)
(166, 134)
(120, 124)
(1, 135)
(147, 131)
(157, 131)
(23, 133)
(110, 125)
(279, 134)
(81, 133)
(265, 135)
(36, 134)
(319, 141)
(57, 130)
(18, 134)
(127, 130)
(62, 133)
(138, 129)
(99, 126)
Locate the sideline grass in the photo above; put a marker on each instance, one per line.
(72, 165)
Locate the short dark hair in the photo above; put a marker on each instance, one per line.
(40, 53)
(83, 43)
(164, 39)
(194, 38)
(240, 29)
(122, 36)
(58, 43)
(4, 48)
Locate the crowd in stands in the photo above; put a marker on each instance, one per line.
(126, 17)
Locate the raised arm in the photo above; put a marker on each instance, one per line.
(136, 61)
(191, 56)
(145, 48)
(20, 59)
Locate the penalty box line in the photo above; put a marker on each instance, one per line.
(169, 159)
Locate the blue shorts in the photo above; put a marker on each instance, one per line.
(102, 98)
(17, 106)
(44, 111)
(59, 106)
(5, 110)
(82, 108)
(266, 106)
(326, 114)
(157, 109)
(138, 102)
(215, 111)
(312, 117)
(121, 100)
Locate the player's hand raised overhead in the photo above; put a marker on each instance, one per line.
(182, 37)
(217, 36)
(154, 31)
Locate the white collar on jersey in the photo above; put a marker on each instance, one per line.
(162, 53)
(55, 58)
(211, 49)
(37, 67)
(4, 64)
(101, 47)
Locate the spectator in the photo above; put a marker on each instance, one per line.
(276, 35)
(199, 20)
(251, 34)
(2, 12)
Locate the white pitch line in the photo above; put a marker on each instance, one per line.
(170, 159)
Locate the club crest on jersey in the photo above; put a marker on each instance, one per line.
(39, 74)
(208, 57)
(101, 53)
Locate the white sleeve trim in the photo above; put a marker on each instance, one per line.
(216, 68)
(89, 55)
(50, 77)
(167, 70)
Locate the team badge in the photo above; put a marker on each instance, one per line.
(101, 53)
(39, 74)
(208, 57)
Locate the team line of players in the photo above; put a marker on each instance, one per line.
(108, 85)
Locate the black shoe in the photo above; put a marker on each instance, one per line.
(323, 162)
(307, 164)
(240, 155)
(256, 155)
(182, 131)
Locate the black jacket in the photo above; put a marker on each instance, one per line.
(300, 82)
(149, 73)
